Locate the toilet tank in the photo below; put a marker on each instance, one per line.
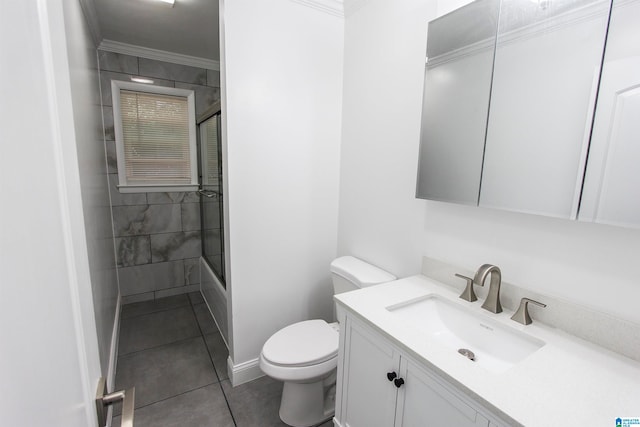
(349, 273)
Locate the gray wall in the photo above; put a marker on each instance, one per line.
(157, 235)
(87, 120)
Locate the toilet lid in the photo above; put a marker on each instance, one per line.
(302, 344)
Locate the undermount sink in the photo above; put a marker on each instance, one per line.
(489, 344)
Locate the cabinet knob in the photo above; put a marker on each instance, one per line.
(398, 382)
(391, 375)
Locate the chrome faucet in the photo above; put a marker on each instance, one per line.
(492, 303)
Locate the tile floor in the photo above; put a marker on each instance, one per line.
(172, 352)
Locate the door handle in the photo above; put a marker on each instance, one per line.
(209, 193)
(103, 400)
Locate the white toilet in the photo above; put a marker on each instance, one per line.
(305, 355)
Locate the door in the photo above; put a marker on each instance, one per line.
(211, 193)
(424, 402)
(49, 367)
(369, 398)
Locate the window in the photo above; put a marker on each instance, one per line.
(155, 138)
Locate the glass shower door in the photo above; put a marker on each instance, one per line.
(211, 195)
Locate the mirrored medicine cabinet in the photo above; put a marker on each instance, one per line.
(534, 106)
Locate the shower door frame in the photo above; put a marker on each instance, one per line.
(213, 111)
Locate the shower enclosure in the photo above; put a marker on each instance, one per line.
(211, 191)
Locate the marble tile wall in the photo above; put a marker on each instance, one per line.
(157, 234)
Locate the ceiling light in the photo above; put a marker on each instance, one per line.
(141, 80)
(171, 2)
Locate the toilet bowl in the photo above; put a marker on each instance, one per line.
(304, 355)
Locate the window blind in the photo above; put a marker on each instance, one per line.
(155, 131)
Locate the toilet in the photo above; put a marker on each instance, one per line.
(305, 355)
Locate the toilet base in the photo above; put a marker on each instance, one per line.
(307, 404)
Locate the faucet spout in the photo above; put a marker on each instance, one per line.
(492, 303)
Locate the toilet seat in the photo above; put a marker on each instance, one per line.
(302, 352)
(302, 344)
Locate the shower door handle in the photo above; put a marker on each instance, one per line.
(103, 400)
(209, 193)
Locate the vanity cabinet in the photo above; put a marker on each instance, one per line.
(380, 386)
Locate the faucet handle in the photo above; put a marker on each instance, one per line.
(522, 314)
(468, 294)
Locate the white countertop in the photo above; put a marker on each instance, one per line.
(567, 382)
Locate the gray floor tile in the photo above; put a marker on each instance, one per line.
(155, 329)
(196, 298)
(163, 372)
(204, 407)
(148, 307)
(205, 320)
(255, 403)
(219, 354)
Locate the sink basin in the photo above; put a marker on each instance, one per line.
(490, 344)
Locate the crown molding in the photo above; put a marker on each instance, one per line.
(158, 55)
(332, 7)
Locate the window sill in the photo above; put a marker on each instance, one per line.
(157, 188)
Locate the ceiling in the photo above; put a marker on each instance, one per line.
(190, 27)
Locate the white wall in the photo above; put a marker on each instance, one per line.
(282, 64)
(49, 363)
(92, 164)
(381, 221)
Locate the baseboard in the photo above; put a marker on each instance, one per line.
(243, 372)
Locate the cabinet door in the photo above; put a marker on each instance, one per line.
(368, 397)
(424, 402)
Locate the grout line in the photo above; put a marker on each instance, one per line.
(155, 312)
(161, 345)
(175, 395)
(233, 418)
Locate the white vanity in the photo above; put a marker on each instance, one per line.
(399, 365)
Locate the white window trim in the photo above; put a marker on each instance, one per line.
(123, 187)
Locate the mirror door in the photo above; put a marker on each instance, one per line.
(457, 85)
(547, 66)
(610, 194)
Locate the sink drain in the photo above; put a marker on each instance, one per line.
(467, 353)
